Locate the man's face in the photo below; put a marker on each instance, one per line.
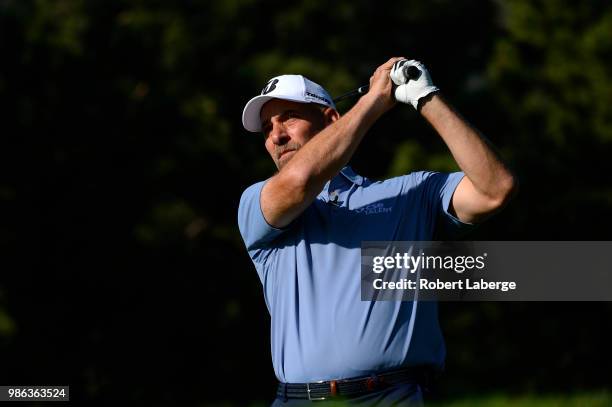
(287, 126)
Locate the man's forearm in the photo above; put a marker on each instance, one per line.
(298, 183)
(331, 149)
(472, 151)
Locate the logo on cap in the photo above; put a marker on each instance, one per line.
(319, 97)
(270, 86)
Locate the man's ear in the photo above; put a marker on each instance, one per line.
(330, 115)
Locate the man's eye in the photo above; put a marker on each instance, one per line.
(291, 117)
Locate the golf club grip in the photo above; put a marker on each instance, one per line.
(411, 72)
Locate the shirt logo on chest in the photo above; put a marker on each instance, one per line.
(373, 209)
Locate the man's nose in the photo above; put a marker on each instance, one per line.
(279, 134)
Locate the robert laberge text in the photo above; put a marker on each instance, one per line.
(437, 284)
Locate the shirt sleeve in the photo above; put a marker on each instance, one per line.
(254, 229)
(440, 188)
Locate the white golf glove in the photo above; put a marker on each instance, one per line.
(411, 90)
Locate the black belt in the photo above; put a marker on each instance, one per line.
(323, 390)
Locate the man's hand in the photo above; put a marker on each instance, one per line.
(381, 86)
(411, 90)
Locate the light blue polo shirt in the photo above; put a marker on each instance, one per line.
(311, 275)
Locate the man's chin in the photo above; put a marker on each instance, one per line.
(284, 159)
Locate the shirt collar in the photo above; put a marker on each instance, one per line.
(349, 174)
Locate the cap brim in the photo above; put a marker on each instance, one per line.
(251, 119)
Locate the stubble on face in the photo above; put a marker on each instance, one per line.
(282, 154)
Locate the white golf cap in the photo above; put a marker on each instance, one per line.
(295, 88)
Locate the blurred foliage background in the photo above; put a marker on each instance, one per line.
(123, 158)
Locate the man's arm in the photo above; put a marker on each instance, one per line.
(287, 194)
(488, 184)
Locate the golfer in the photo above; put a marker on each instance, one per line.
(303, 229)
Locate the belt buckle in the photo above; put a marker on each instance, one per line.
(313, 398)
